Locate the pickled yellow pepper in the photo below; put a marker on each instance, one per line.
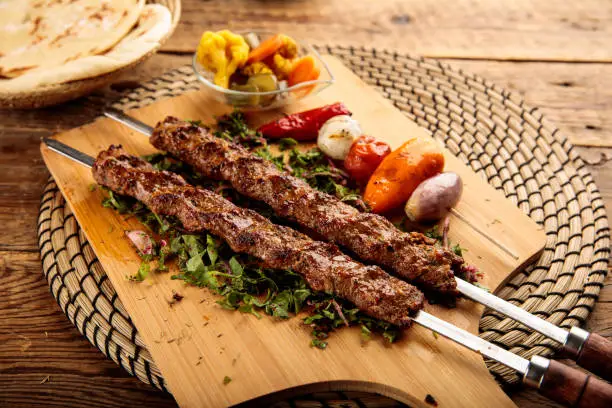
(223, 53)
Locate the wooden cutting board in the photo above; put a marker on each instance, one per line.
(196, 343)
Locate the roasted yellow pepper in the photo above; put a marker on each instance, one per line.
(223, 53)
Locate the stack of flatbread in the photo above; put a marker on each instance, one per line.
(45, 42)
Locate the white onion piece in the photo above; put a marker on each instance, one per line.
(337, 135)
(141, 241)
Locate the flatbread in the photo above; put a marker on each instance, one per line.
(154, 24)
(49, 33)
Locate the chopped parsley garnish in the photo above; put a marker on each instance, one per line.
(142, 273)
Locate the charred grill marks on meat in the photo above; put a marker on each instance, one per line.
(323, 266)
(371, 237)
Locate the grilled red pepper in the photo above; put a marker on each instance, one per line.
(303, 125)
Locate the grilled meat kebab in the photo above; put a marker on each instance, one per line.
(323, 265)
(373, 238)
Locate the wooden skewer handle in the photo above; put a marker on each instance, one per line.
(574, 388)
(596, 356)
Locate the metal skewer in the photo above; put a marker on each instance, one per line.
(552, 379)
(589, 350)
(128, 121)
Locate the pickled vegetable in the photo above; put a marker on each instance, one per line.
(281, 65)
(256, 68)
(244, 100)
(305, 69)
(222, 53)
(263, 82)
(267, 48)
(252, 39)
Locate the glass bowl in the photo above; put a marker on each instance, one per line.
(257, 101)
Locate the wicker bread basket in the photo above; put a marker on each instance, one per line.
(58, 93)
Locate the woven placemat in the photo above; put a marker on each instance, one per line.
(506, 142)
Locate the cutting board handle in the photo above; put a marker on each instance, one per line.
(596, 356)
(574, 388)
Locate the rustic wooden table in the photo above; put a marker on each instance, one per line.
(557, 54)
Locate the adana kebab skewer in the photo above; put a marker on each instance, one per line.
(370, 236)
(323, 266)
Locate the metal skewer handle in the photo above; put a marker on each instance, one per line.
(552, 379)
(590, 350)
(567, 385)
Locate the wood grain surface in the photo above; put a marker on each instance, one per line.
(497, 40)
